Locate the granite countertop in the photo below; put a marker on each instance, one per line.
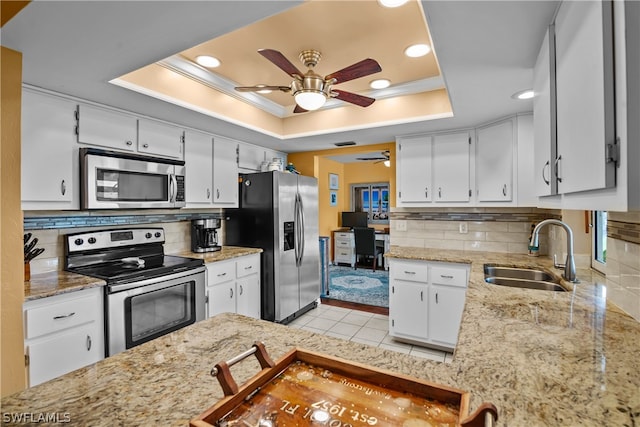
(543, 358)
(227, 252)
(57, 282)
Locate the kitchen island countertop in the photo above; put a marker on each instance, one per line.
(543, 358)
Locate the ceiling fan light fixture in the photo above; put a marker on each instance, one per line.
(380, 84)
(263, 90)
(310, 99)
(417, 50)
(208, 61)
(392, 3)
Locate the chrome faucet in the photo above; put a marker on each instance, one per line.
(569, 264)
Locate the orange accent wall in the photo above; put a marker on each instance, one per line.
(11, 226)
(317, 163)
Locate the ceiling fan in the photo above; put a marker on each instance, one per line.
(311, 90)
(386, 155)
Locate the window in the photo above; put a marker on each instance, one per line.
(599, 243)
(372, 198)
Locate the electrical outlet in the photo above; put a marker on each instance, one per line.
(401, 225)
(463, 228)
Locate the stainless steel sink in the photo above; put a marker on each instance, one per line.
(521, 278)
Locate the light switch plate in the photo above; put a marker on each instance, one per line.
(463, 228)
(401, 225)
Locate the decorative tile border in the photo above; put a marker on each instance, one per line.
(474, 216)
(627, 231)
(74, 221)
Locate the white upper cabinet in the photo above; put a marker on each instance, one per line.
(225, 172)
(494, 162)
(451, 156)
(160, 139)
(250, 157)
(585, 96)
(198, 157)
(413, 171)
(544, 116)
(106, 128)
(49, 153)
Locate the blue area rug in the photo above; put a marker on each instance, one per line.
(360, 286)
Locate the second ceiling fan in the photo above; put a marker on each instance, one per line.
(311, 90)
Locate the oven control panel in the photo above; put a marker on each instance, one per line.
(104, 239)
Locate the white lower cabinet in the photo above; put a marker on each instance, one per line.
(426, 300)
(63, 333)
(344, 248)
(233, 286)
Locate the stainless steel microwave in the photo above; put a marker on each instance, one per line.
(112, 180)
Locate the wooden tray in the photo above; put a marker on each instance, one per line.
(307, 388)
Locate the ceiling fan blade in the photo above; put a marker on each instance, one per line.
(299, 109)
(363, 101)
(355, 71)
(280, 61)
(259, 88)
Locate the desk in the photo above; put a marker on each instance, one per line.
(344, 247)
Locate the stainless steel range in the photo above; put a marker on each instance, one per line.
(148, 293)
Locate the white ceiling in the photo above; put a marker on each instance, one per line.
(486, 51)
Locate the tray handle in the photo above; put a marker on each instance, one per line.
(223, 373)
(485, 416)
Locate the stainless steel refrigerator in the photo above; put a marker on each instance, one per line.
(278, 212)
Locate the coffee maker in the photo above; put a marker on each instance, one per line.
(204, 235)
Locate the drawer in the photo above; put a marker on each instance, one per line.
(447, 275)
(411, 271)
(220, 272)
(61, 314)
(247, 265)
(343, 253)
(342, 235)
(343, 244)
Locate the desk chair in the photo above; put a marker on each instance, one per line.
(366, 245)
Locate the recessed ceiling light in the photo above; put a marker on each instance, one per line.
(392, 3)
(208, 61)
(379, 84)
(417, 50)
(523, 94)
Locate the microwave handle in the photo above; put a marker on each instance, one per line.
(172, 188)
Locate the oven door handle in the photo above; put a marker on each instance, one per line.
(114, 288)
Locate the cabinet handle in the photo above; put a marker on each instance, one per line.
(88, 342)
(64, 316)
(393, 289)
(439, 192)
(248, 267)
(546, 165)
(230, 292)
(145, 145)
(421, 295)
(63, 187)
(129, 143)
(504, 190)
(555, 166)
(217, 193)
(446, 276)
(208, 193)
(436, 297)
(409, 272)
(426, 192)
(241, 290)
(222, 274)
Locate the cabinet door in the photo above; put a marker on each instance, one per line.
(160, 139)
(106, 128)
(198, 157)
(494, 162)
(446, 304)
(49, 153)
(248, 301)
(414, 171)
(451, 167)
(585, 103)
(64, 352)
(408, 309)
(544, 117)
(250, 157)
(225, 172)
(221, 298)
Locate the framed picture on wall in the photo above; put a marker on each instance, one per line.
(333, 198)
(333, 181)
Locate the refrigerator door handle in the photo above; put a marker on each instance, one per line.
(302, 237)
(296, 230)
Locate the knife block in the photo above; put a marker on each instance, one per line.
(27, 271)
